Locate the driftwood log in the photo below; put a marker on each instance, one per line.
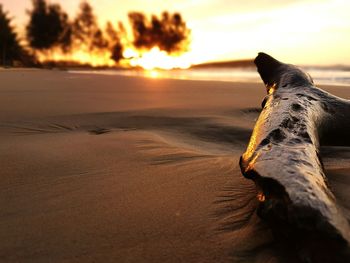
(283, 159)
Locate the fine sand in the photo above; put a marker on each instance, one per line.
(123, 169)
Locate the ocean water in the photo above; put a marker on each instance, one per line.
(319, 75)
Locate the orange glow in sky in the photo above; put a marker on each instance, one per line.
(301, 32)
(80, 56)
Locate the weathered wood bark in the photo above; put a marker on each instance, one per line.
(283, 160)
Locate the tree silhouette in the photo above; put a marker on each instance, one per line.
(10, 47)
(169, 32)
(114, 43)
(48, 26)
(65, 36)
(86, 31)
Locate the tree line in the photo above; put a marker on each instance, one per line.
(50, 29)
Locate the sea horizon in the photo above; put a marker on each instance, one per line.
(321, 76)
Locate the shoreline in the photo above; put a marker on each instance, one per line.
(231, 75)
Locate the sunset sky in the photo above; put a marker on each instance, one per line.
(302, 32)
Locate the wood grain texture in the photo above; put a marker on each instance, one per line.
(283, 158)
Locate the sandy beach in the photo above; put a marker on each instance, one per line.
(128, 169)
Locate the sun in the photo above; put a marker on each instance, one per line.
(154, 74)
(155, 59)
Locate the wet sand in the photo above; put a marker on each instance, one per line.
(123, 169)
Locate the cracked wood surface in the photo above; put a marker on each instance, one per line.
(283, 160)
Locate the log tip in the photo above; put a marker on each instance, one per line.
(267, 67)
(264, 59)
(272, 72)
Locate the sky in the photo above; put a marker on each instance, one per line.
(309, 32)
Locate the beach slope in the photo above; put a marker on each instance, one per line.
(124, 169)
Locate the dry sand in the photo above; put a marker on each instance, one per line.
(124, 169)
